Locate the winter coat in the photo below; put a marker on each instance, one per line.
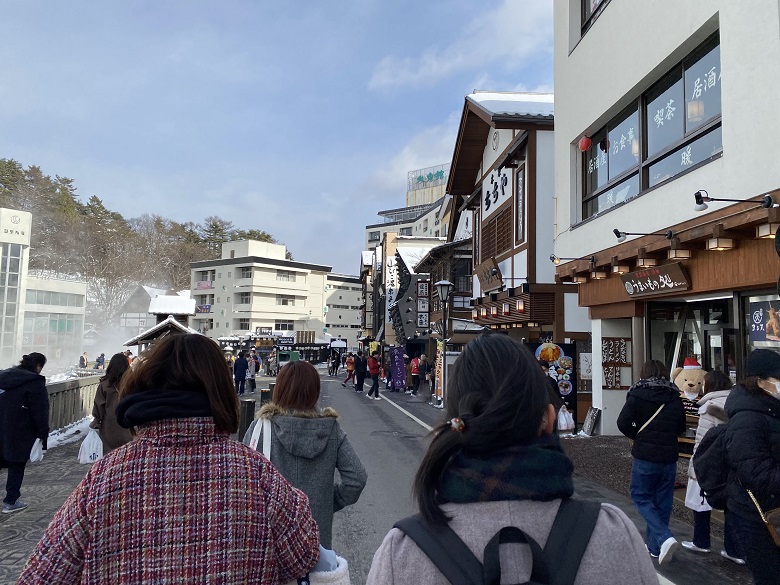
(360, 366)
(753, 452)
(712, 412)
(24, 413)
(240, 366)
(104, 413)
(554, 394)
(616, 549)
(373, 366)
(306, 447)
(658, 442)
(181, 503)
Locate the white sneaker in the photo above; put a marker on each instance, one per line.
(668, 550)
(690, 546)
(728, 557)
(377, 398)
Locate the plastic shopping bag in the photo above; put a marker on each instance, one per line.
(565, 420)
(92, 448)
(331, 569)
(36, 454)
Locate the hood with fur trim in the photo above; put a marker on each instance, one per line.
(301, 433)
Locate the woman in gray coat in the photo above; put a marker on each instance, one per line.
(104, 407)
(307, 445)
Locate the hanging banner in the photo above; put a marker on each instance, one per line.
(398, 368)
(439, 361)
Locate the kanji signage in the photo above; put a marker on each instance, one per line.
(495, 190)
(489, 275)
(655, 281)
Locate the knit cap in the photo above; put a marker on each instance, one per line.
(764, 363)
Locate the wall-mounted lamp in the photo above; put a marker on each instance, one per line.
(579, 279)
(505, 308)
(483, 312)
(557, 260)
(620, 269)
(702, 197)
(767, 230)
(621, 236)
(532, 324)
(720, 244)
(520, 305)
(474, 314)
(678, 254)
(494, 311)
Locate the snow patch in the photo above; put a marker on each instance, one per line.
(69, 434)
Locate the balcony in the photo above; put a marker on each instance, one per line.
(204, 284)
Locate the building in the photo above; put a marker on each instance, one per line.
(343, 304)
(502, 173)
(425, 186)
(254, 288)
(38, 311)
(134, 317)
(401, 221)
(647, 130)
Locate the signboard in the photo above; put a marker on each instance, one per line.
(655, 281)
(495, 190)
(391, 284)
(204, 284)
(285, 341)
(562, 358)
(423, 306)
(439, 387)
(423, 289)
(764, 321)
(616, 362)
(586, 366)
(203, 308)
(423, 320)
(398, 368)
(263, 331)
(590, 420)
(489, 275)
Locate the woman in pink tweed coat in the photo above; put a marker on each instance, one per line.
(182, 502)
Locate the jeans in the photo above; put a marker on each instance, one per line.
(374, 385)
(13, 484)
(360, 379)
(652, 490)
(240, 385)
(761, 554)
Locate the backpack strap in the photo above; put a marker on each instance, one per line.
(445, 549)
(569, 537)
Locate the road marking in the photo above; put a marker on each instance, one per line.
(663, 580)
(409, 414)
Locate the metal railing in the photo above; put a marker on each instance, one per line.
(72, 400)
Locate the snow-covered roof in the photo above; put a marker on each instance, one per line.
(172, 305)
(464, 325)
(153, 292)
(412, 256)
(161, 325)
(514, 103)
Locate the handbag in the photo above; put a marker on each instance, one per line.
(263, 425)
(36, 453)
(91, 448)
(770, 518)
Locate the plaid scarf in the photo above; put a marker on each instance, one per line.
(537, 471)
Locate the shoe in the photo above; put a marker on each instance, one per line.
(377, 398)
(343, 384)
(368, 396)
(725, 555)
(690, 546)
(668, 550)
(17, 506)
(652, 554)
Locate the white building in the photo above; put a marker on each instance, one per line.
(343, 301)
(254, 287)
(671, 98)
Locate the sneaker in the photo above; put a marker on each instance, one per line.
(343, 384)
(690, 546)
(668, 550)
(725, 555)
(652, 554)
(17, 506)
(377, 398)
(368, 396)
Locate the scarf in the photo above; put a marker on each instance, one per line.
(537, 471)
(145, 407)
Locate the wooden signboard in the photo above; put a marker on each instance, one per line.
(615, 358)
(489, 275)
(656, 281)
(590, 421)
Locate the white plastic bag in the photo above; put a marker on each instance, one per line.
(565, 420)
(92, 448)
(36, 453)
(330, 570)
(693, 498)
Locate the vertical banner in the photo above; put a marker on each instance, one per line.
(398, 367)
(438, 390)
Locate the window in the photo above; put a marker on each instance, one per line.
(245, 298)
(232, 253)
(591, 9)
(407, 231)
(681, 115)
(282, 325)
(497, 234)
(243, 324)
(230, 274)
(246, 272)
(373, 236)
(285, 276)
(286, 300)
(219, 275)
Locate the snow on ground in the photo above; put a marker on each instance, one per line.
(62, 377)
(69, 434)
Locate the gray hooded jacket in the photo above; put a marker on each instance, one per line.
(306, 447)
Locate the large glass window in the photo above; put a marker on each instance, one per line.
(687, 156)
(623, 144)
(702, 88)
(664, 114)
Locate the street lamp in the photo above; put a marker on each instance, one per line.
(444, 289)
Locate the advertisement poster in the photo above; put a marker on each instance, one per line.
(563, 369)
(439, 360)
(764, 321)
(398, 368)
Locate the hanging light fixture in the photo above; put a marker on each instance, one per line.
(720, 244)
(620, 269)
(505, 308)
(580, 279)
(767, 230)
(494, 311)
(520, 305)
(678, 254)
(474, 314)
(646, 262)
(584, 143)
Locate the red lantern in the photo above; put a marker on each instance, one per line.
(584, 143)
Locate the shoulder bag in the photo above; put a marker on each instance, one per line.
(262, 425)
(655, 414)
(770, 518)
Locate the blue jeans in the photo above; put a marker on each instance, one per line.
(652, 490)
(761, 554)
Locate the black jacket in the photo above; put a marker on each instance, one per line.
(554, 394)
(240, 366)
(658, 442)
(360, 365)
(753, 452)
(24, 413)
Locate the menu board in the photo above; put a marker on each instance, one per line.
(764, 322)
(563, 369)
(616, 362)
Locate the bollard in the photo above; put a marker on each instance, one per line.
(246, 414)
(267, 394)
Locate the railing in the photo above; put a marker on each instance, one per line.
(72, 400)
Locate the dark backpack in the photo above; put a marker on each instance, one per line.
(557, 564)
(711, 467)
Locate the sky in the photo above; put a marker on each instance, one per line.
(298, 118)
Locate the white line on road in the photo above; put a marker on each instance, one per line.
(663, 580)
(409, 414)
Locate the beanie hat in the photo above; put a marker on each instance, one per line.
(691, 363)
(764, 363)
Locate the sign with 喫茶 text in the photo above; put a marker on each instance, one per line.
(656, 281)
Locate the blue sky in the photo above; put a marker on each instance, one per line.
(298, 118)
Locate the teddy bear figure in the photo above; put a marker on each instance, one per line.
(690, 380)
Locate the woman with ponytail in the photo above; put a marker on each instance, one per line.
(497, 462)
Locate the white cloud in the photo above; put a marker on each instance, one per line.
(513, 32)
